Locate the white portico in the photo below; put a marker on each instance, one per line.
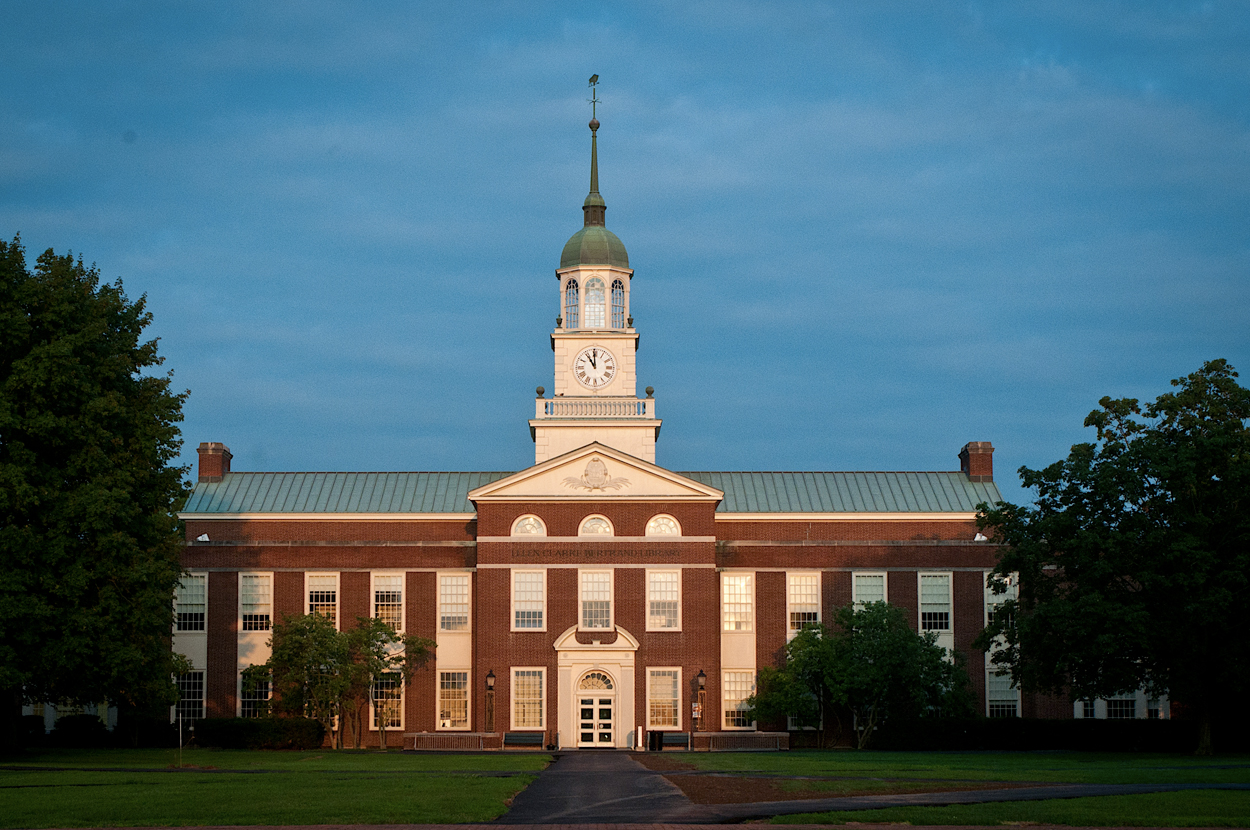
(595, 685)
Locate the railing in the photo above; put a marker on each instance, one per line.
(746, 741)
(595, 408)
(450, 740)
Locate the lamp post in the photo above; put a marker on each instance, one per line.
(490, 701)
(702, 678)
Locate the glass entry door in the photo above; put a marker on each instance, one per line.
(594, 723)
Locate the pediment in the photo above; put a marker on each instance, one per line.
(595, 472)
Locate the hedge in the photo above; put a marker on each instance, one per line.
(260, 733)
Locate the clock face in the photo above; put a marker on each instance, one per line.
(594, 367)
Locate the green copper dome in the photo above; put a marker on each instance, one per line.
(594, 245)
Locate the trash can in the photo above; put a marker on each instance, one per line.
(655, 741)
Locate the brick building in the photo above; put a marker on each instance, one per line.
(594, 593)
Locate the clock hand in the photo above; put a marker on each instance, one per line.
(593, 365)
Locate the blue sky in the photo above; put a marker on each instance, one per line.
(862, 234)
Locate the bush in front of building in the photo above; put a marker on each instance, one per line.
(260, 733)
(1086, 735)
(80, 732)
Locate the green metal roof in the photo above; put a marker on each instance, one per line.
(338, 493)
(745, 492)
(594, 245)
(791, 492)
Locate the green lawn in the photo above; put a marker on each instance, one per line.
(258, 788)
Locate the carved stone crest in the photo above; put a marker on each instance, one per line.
(596, 477)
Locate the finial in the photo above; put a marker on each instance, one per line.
(593, 208)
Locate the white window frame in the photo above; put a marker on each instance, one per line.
(468, 601)
(338, 595)
(403, 597)
(750, 622)
(582, 525)
(542, 700)
(724, 700)
(790, 605)
(512, 609)
(990, 672)
(649, 572)
(885, 587)
(403, 700)
(581, 616)
(516, 523)
(680, 697)
(203, 698)
(647, 528)
(269, 576)
(204, 630)
(950, 602)
(239, 696)
(468, 700)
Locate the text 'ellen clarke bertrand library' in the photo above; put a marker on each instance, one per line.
(596, 595)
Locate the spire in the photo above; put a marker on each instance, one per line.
(594, 206)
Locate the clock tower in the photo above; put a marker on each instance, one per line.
(594, 396)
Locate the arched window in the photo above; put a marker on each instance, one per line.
(570, 304)
(596, 304)
(595, 526)
(529, 526)
(663, 526)
(596, 680)
(618, 304)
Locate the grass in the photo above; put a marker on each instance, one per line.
(1193, 808)
(257, 788)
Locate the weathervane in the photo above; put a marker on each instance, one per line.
(594, 94)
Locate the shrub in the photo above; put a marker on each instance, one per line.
(260, 733)
(79, 732)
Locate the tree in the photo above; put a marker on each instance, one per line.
(319, 672)
(871, 665)
(88, 489)
(1134, 560)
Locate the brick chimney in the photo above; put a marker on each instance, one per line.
(976, 461)
(214, 460)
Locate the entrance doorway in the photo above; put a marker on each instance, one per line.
(596, 699)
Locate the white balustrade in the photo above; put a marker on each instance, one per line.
(595, 408)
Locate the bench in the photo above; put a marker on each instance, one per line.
(681, 739)
(513, 739)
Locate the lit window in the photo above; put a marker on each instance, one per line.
(388, 599)
(254, 698)
(527, 699)
(663, 526)
(663, 600)
(1002, 698)
(453, 602)
(596, 303)
(595, 526)
(189, 602)
(737, 602)
(190, 704)
(529, 526)
(867, 588)
(618, 304)
(323, 594)
(663, 707)
(1123, 708)
(803, 599)
(388, 702)
(935, 602)
(528, 600)
(596, 599)
(570, 304)
(453, 700)
(738, 686)
(256, 601)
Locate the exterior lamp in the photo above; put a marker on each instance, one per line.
(702, 678)
(490, 680)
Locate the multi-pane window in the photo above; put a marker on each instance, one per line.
(1087, 709)
(737, 602)
(256, 601)
(1001, 697)
(738, 686)
(388, 599)
(529, 526)
(528, 600)
(866, 588)
(596, 599)
(596, 303)
(453, 602)
(935, 602)
(662, 698)
(1122, 708)
(994, 601)
(570, 304)
(254, 698)
(190, 704)
(1154, 710)
(453, 700)
(803, 595)
(388, 702)
(663, 526)
(663, 600)
(527, 699)
(190, 602)
(595, 526)
(618, 304)
(323, 595)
